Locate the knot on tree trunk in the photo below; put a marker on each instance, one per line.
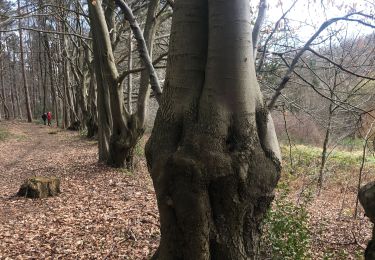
(40, 187)
(367, 199)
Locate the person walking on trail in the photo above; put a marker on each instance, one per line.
(49, 117)
(44, 117)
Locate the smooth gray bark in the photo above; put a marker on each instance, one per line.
(130, 76)
(213, 153)
(149, 35)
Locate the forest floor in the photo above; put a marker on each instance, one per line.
(105, 213)
(101, 213)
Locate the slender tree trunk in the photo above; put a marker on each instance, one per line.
(45, 94)
(56, 106)
(130, 76)
(68, 106)
(92, 120)
(149, 35)
(13, 99)
(213, 153)
(20, 116)
(65, 119)
(71, 102)
(42, 83)
(324, 151)
(26, 88)
(34, 81)
(103, 100)
(331, 110)
(3, 94)
(53, 88)
(12, 66)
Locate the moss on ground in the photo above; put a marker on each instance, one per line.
(4, 134)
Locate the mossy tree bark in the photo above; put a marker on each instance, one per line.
(213, 153)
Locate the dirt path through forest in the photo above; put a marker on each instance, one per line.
(101, 213)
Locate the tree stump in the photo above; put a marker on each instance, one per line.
(367, 199)
(40, 187)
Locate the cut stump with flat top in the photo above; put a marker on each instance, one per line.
(40, 187)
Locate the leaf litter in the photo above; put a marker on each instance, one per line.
(105, 213)
(102, 213)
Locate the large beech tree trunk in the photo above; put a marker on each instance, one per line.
(213, 153)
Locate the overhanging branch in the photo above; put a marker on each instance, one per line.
(142, 47)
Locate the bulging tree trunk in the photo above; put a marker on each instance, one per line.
(213, 154)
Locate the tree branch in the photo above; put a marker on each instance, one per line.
(47, 31)
(138, 35)
(260, 65)
(292, 66)
(338, 65)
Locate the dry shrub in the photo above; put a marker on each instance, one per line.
(301, 128)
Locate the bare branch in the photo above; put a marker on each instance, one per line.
(260, 65)
(339, 66)
(47, 31)
(138, 35)
(292, 66)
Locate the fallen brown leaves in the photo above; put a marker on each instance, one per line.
(102, 213)
(336, 234)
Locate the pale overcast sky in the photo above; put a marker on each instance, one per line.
(314, 14)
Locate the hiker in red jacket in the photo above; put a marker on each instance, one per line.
(49, 117)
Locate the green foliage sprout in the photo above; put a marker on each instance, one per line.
(286, 231)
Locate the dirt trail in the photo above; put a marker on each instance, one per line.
(101, 213)
(104, 213)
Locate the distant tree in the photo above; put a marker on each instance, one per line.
(24, 78)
